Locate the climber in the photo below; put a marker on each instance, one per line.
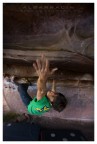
(43, 101)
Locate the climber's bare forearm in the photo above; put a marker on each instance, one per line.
(43, 71)
(41, 88)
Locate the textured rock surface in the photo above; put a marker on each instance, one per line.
(65, 34)
(79, 97)
(68, 27)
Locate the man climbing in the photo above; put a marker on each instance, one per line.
(43, 100)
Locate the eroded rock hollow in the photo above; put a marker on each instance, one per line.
(65, 34)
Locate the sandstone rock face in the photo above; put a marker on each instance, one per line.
(65, 34)
(49, 27)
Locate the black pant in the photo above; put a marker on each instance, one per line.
(22, 88)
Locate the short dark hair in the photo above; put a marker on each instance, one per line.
(59, 103)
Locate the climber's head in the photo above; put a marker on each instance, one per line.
(57, 100)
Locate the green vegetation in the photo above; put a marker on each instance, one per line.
(9, 117)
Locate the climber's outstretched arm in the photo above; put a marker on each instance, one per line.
(43, 71)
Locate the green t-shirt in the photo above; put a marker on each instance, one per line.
(39, 107)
